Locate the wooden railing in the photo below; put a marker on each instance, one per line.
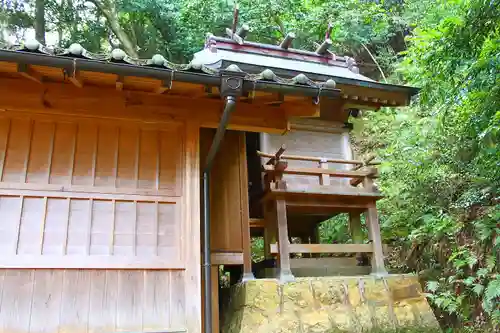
(362, 172)
(326, 248)
(277, 166)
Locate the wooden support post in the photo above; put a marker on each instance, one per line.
(355, 227)
(314, 238)
(371, 217)
(324, 179)
(285, 273)
(245, 214)
(357, 236)
(378, 267)
(214, 270)
(269, 229)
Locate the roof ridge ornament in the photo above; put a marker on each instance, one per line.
(287, 42)
(237, 35)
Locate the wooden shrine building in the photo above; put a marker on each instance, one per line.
(102, 164)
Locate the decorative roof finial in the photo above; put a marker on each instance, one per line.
(237, 36)
(287, 42)
(328, 31)
(323, 48)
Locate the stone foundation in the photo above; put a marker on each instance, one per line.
(328, 304)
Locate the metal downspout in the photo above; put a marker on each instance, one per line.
(207, 262)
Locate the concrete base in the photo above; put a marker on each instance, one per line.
(328, 304)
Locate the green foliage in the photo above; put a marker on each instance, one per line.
(442, 160)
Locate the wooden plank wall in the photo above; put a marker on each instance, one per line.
(309, 143)
(78, 300)
(92, 214)
(226, 204)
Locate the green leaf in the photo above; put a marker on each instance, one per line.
(469, 281)
(478, 289)
(432, 286)
(482, 272)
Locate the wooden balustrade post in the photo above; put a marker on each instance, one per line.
(285, 272)
(355, 227)
(371, 216)
(269, 229)
(324, 179)
(357, 233)
(314, 239)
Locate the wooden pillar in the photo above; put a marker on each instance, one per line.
(285, 273)
(314, 238)
(245, 214)
(214, 271)
(371, 216)
(355, 227)
(269, 228)
(357, 235)
(215, 298)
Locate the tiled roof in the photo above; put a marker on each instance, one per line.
(199, 64)
(258, 62)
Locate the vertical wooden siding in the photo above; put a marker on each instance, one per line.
(226, 202)
(91, 211)
(91, 300)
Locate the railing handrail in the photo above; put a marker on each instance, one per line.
(319, 172)
(368, 161)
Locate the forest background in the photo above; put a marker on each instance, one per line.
(441, 155)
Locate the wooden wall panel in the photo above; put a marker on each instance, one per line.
(128, 146)
(106, 156)
(62, 157)
(58, 226)
(91, 301)
(227, 204)
(307, 143)
(140, 158)
(41, 157)
(17, 152)
(91, 188)
(85, 145)
(92, 232)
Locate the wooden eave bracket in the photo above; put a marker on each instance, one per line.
(27, 71)
(73, 76)
(120, 80)
(166, 85)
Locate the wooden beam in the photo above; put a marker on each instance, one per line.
(326, 248)
(319, 172)
(319, 159)
(28, 72)
(227, 258)
(372, 173)
(106, 102)
(119, 83)
(89, 262)
(257, 223)
(319, 190)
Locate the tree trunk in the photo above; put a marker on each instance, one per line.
(109, 12)
(40, 21)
